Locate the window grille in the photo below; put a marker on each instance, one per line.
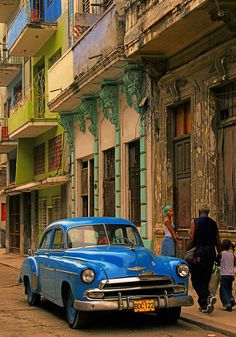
(56, 208)
(55, 153)
(39, 159)
(2, 178)
(42, 213)
(226, 100)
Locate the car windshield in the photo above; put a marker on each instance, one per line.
(101, 234)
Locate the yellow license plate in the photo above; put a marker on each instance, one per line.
(144, 306)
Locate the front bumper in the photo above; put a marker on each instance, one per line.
(161, 302)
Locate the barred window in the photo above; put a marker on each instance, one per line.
(55, 153)
(3, 177)
(56, 208)
(226, 99)
(42, 213)
(39, 159)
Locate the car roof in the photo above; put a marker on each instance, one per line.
(74, 222)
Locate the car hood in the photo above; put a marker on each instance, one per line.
(120, 261)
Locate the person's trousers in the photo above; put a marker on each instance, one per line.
(200, 277)
(168, 246)
(226, 290)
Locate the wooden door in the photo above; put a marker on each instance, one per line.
(14, 224)
(226, 149)
(134, 183)
(182, 165)
(109, 182)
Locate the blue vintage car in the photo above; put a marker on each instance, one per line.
(97, 264)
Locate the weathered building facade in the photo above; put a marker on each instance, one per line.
(99, 108)
(33, 38)
(194, 116)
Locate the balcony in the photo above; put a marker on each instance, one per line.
(150, 24)
(87, 64)
(26, 118)
(7, 9)
(6, 144)
(32, 28)
(10, 66)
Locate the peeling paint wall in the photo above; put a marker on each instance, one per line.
(200, 82)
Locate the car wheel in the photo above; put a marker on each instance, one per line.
(168, 316)
(76, 319)
(32, 298)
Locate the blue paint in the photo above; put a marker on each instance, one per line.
(132, 268)
(48, 12)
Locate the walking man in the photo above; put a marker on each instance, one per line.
(204, 235)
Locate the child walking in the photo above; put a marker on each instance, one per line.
(227, 263)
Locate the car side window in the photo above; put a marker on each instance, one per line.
(58, 240)
(46, 241)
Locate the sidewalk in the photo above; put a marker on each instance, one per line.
(219, 320)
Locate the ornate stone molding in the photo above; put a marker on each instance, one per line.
(87, 110)
(220, 66)
(67, 121)
(133, 86)
(109, 101)
(174, 89)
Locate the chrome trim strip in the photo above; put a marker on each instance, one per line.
(67, 272)
(135, 279)
(176, 289)
(161, 302)
(46, 268)
(136, 268)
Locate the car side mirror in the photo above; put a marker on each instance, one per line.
(30, 252)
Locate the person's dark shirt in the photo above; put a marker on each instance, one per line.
(205, 231)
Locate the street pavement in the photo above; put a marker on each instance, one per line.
(219, 320)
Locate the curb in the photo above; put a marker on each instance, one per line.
(223, 331)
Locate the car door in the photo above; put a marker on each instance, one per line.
(42, 257)
(56, 253)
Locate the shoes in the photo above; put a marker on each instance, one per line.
(204, 309)
(211, 302)
(229, 308)
(233, 303)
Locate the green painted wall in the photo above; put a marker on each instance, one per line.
(25, 164)
(20, 116)
(25, 149)
(44, 138)
(56, 42)
(48, 194)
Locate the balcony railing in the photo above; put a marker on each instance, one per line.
(32, 12)
(5, 58)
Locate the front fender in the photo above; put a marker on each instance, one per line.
(29, 269)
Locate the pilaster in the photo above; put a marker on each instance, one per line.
(133, 86)
(109, 96)
(67, 121)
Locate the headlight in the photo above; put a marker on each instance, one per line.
(88, 275)
(182, 270)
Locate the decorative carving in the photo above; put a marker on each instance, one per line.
(174, 89)
(66, 120)
(109, 101)
(87, 110)
(133, 86)
(220, 66)
(91, 113)
(79, 116)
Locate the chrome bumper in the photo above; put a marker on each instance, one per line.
(128, 303)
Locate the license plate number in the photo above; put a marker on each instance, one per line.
(144, 306)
